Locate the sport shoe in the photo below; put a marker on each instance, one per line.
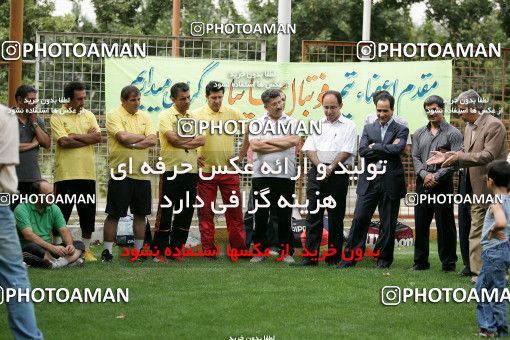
(88, 256)
(106, 256)
(159, 259)
(288, 259)
(273, 253)
(256, 259)
(77, 263)
(59, 263)
(474, 279)
(486, 334)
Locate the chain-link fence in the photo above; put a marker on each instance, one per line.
(488, 76)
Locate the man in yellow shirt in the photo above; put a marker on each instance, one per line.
(76, 131)
(217, 151)
(178, 153)
(130, 135)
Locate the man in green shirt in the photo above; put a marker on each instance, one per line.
(35, 222)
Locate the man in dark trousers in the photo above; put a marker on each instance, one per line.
(434, 181)
(335, 144)
(382, 144)
(484, 141)
(464, 212)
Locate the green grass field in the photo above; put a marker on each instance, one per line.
(200, 299)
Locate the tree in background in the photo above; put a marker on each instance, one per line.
(81, 22)
(118, 16)
(335, 20)
(467, 21)
(154, 17)
(37, 18)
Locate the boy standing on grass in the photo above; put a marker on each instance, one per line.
(491, 316)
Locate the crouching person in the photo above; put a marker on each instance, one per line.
(35, 222)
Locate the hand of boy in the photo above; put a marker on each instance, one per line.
(496, 231)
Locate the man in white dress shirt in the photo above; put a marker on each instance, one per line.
(335, 145)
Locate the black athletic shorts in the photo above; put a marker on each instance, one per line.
(129, 192)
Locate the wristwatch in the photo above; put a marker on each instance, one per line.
(35, 125)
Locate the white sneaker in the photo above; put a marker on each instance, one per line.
(55, 264)
(273, 253)
(59, 263)
(257, 259)
(77, 263)
(288, 259)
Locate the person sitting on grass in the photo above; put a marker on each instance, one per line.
(491, 316)
(35, 223)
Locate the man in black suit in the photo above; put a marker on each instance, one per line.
(382, 144)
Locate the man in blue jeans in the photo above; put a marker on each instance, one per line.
(12, 271)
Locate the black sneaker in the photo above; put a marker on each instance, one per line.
(466, 272)
(305, 263)
(421, 267)
(106, 256)
(345, 264)
(448, 269)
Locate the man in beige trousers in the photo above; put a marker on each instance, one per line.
(484, 141)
